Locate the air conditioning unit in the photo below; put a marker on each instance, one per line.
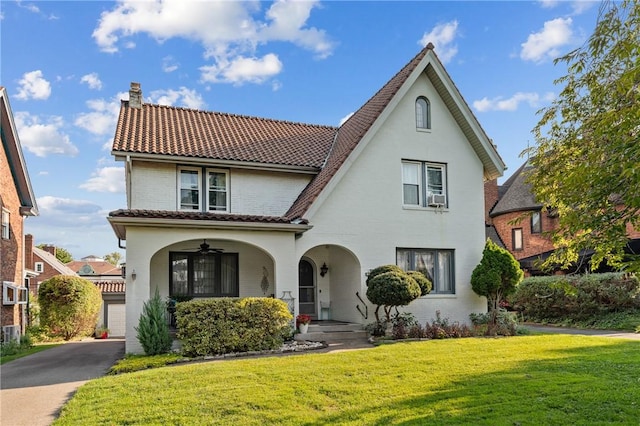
(10, 333)
(437, 200)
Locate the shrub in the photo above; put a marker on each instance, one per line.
(441, 328)
(69, 306)
(226, 325)
(402, 323)
(506, 323)
(423, 282)
(576, 298)
(153, 330)
(391, 289)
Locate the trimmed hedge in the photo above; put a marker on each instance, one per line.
(227, 325)
(575, 297)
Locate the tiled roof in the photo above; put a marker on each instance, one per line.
(166, 130)
(518, 195)
(111, 286)
(170, 214)
(350, 134)
(100, 267)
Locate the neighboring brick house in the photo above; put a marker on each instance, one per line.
(238, 206)
(517, 222)
(17, 202)
(43, 261)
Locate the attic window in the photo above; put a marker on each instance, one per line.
(39, 266)
(423, 113)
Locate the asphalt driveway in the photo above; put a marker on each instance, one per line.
(34, 388)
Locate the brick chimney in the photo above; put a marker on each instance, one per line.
(135, 95)
(50, 249)
(28, 251)
(490, 198)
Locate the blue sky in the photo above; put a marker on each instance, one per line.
(66, 65)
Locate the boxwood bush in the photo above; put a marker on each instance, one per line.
(576, 297)
(227, 325)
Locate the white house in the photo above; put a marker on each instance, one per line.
(228, 205)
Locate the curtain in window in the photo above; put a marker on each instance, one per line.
(228, 274)
(445, 280)
(411, 183)
(424, 263)
(204, 272)
(403, 259)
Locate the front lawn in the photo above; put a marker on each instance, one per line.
(524, 380)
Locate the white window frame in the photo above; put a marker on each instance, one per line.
(198, 188)
(536, 222)
(9, 293)
(6, 224)
(425, 189)
(405, 181)
(423, 113)
(39, 266)
(517, 237)
(225, 190)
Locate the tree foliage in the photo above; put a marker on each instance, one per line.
(61, 254)
(153, 330)
(113, 258)
(69, 306)
(497, 275)
(587, 154)
(389, 286)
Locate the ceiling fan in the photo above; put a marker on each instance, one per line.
(205, 248)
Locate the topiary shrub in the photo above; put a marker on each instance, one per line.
(69, 306)
(496, 276)
(389, 287)
(153, 330)
(423, 282)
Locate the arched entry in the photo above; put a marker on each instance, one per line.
(306, 288)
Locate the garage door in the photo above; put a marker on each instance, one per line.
(116, 319)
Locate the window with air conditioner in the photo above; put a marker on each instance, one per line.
(424, 184)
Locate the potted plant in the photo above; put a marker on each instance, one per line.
(303, 321)
(102, 332)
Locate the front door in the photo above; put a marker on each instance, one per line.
(307, 289)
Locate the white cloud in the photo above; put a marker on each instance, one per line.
(182, 97)
(30, 7)
(102, 120)
(106, 179)
(229, 32)
(66, 212)
(241, 70)
(548, 4)
(43, 138)
(578, 6)
(512, 103)
(546, 43)
(169, 64)
(33, 86)
(92, 80)
(345, 118)
(442, 36)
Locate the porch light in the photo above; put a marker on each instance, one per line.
(324, 269)
(133, 275)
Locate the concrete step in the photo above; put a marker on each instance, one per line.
(329, 336)
(315, 328)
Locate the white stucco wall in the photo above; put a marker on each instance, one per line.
(252, 192)
(363, 212)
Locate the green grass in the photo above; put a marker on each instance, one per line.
(24, 352)
(524, 380)
(132, 363)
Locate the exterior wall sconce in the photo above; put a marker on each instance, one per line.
(324, 269)
(133, 275)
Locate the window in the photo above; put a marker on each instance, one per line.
(12, 294)
(516, 235)
(437, 265)
(5, 224)
(423, 113)
(536, 224)
(204, 275)
(424, 184)
(39, 267)
(191, 195)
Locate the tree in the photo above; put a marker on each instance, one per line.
(113, 258)
(496, 276)
(69, 306)
(389, 286)
(61, 254)
(153, 330)
(586, 157)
